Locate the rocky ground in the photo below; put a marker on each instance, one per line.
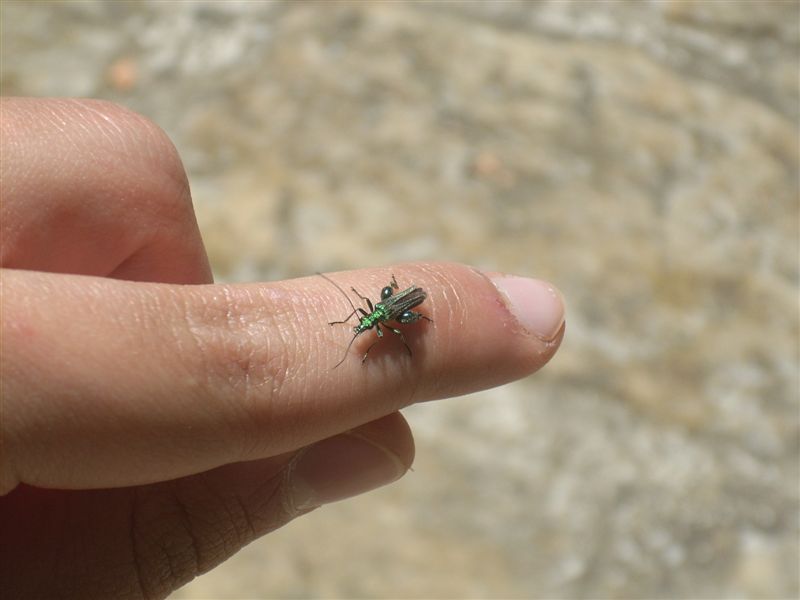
(641, 155)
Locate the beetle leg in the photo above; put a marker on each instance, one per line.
(402, 337)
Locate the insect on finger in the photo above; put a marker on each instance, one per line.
(392, 307)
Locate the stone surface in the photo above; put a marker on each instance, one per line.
(641, 155)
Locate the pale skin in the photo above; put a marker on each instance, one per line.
(153, 423)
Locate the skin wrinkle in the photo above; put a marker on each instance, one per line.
(221, 544)
(265, 512)
(178, 546)
(235, 322)
(286, 497)
(288, 331)
(145, 311)
(53, 115)
(135, 545)
(276, 348)
(119, 140)
(172, 215)
(446, 317)
(168, 218)
(27, 154)
(242, 353)
(288, 334)
(88, 106)
(245, 512)
(198, 322)
(181, 574)
(394, 458)
(73, 140)
(453, 306)
(138, 307)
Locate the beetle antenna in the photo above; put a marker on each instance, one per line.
(346, 352)
(336, 285)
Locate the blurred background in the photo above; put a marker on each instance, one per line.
(643, 156)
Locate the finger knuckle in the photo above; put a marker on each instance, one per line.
(150, 158)
(244, 357)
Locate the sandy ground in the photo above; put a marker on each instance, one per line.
(641, 155)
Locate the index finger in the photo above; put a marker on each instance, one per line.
(185, 378)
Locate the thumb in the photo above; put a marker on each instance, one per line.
(151, 539)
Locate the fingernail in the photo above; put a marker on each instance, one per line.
(537, 304)
(339, 467)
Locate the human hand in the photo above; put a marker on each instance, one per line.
(151, 428)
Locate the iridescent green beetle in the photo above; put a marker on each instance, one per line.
(394, 306)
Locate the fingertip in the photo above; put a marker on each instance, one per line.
(345, 465)
(536, 304)
(394, 433)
